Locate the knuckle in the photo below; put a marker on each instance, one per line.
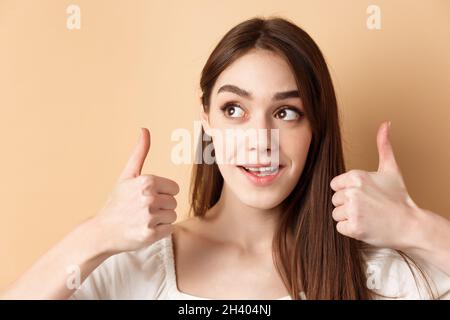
(151, 199)
(152, 220)
(334, 213)
(173, 216)
(175, 203)
(354, 195)
(146, 180)
(148, 200)
(350, 194)
(142, 180)
(357, 218)
(177, 188)
(358, 177)
(150, 180)
(333, 198)
(353, 212)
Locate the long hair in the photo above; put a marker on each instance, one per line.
(311, 257)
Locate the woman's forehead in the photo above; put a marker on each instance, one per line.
(259, 72)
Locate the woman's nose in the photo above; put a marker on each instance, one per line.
(262, 139)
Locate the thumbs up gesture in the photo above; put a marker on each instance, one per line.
(375, 207)
(141, 208)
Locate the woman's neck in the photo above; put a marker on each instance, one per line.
(251, 229)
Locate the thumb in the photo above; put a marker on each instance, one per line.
(386, 157)
(136, 161)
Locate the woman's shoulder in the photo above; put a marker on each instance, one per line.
(140, 274)
(391, 275)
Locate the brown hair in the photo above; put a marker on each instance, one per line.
(309, 254)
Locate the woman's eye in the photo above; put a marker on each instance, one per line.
(287, 114)
(233, 111)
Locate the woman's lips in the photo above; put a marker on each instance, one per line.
(261, 180)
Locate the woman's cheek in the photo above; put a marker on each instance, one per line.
(296, 149)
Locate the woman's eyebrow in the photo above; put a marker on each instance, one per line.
(244, 93)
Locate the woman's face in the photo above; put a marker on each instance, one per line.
(258, 91)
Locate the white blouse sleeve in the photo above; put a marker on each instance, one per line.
(128, 275)
(390, 276)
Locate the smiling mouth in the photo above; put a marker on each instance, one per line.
(262, 171)
(261, 175)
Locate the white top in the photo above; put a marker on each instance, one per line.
(149, 273)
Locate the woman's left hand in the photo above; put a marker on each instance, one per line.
(375, 207)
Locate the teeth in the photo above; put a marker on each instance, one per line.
(262, 171)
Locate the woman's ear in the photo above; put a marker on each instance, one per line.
(204, 118)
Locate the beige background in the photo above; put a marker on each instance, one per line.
(72, 102)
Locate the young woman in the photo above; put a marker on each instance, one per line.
(257, 231)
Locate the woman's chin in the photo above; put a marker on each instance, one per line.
(263, 202)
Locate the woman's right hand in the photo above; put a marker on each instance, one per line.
(139, 211)
(141, 208)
